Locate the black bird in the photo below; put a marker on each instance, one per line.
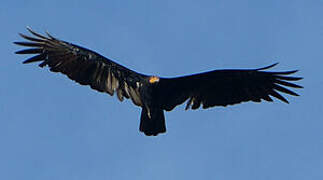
(152, 93)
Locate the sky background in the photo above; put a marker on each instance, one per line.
(52, 128)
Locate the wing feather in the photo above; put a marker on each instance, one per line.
(225, 87)
(30, 51)
(82, 65)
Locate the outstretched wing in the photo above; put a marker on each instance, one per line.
(225, 87)
(83, 66)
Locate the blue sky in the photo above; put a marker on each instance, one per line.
(54, 129)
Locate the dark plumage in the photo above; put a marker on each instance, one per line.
(152, 93)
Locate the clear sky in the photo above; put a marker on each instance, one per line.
(54, 129)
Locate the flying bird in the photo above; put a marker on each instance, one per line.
(152, 93)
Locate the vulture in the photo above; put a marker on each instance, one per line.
(152, 93)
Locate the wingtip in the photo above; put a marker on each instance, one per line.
(268, 67)
(16, 42)
(21, 35)
(284, 100)
(17, 52)
(35, 33)
(49, 35)
(300, 78)
(29, 28)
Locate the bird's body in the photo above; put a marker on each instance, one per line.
(152, 93)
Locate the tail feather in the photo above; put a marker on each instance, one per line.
(154, 124)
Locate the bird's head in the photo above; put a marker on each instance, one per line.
(153, 79)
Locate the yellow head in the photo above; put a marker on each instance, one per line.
(153, 79)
